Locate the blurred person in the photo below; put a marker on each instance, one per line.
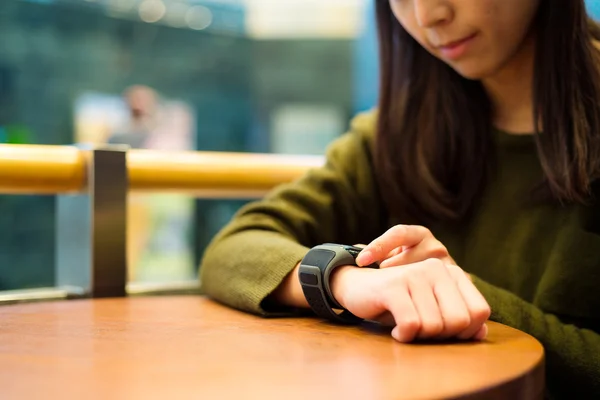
(158, 224)
(474, 183)
(142, 103)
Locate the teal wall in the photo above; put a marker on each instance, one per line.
(594, 8)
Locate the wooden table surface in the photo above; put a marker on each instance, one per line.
(191, 348)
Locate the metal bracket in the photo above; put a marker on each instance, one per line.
(91, 228)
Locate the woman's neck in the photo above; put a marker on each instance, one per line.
(510, 91)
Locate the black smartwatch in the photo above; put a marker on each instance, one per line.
(315, 273)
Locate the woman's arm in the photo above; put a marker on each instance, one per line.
(572, 351)
(252, 256)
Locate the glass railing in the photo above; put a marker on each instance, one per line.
(94, 187)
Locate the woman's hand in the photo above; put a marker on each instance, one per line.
(402, 245)
(426, 300)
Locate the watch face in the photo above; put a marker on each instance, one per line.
(353, 250)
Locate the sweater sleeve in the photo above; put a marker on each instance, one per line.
(572, 348)
(338, 202)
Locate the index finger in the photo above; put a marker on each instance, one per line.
(396, 236)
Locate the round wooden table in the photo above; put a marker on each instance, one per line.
(191, 348)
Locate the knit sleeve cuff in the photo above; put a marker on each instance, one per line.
(263, 260)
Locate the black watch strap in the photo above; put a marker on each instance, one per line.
(314, 275)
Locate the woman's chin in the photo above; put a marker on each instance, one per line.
(473, 71)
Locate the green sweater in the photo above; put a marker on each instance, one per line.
(537, 266)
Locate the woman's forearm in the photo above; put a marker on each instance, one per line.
(290, 293)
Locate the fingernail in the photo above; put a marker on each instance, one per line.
(364, 258)
(483, 334)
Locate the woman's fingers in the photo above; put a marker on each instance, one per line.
(432, 323)
(397, 236)
(395, 252)
(482, 333)
(386, 319)
(427, 300)
(428, 248)
(454, 310)
(406, 317)
(478, 308)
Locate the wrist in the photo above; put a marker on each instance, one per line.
(289, 293)
(338, 282)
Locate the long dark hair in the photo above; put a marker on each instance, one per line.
(434, 132)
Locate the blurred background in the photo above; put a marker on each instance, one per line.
(276, 76)
(232, 75)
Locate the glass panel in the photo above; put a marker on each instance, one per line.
(26, 242)
(248, 76)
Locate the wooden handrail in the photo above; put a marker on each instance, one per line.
(41, 169)
(37, 169)
(210, 174)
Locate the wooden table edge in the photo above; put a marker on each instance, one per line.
(530, 385)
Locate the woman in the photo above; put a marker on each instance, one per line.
(483, 154)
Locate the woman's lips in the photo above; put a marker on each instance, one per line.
(456, 49)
